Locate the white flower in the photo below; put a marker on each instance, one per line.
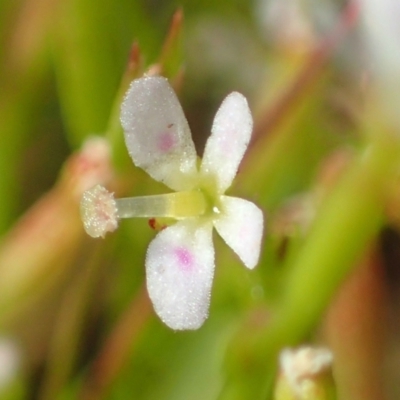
(180, 260)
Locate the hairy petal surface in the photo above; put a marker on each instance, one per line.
(230, 136)
(241, 225)
(157, 134)
(179, 270)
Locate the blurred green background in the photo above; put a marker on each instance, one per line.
(76, 308)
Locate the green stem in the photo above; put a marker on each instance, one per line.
(171, 205)
(346, 223)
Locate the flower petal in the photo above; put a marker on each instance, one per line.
(180, 269)
(241, 225)
(231, 133)
(157, 134)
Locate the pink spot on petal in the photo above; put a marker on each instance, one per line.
(185, 258)
(166, 141)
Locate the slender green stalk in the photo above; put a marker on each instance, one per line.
(170, 205)
(344, 226)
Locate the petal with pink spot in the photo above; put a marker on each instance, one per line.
(231, 133)
(157, 134)
(179, 271)
(241, 225)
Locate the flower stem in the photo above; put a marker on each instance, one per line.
(171, 205)
(100, 212)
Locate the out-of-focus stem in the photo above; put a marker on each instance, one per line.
(72, 319)
(354, 210)
(22, 72)
(345, 224)
(307, 76)
(132, 71)
(355, 329)
(170, 59)
(40, 247)
(117, 348)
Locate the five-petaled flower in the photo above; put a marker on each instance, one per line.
(180, 259)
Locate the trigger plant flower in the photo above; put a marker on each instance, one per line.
(180, 259)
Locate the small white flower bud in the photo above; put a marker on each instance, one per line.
(301, 366)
